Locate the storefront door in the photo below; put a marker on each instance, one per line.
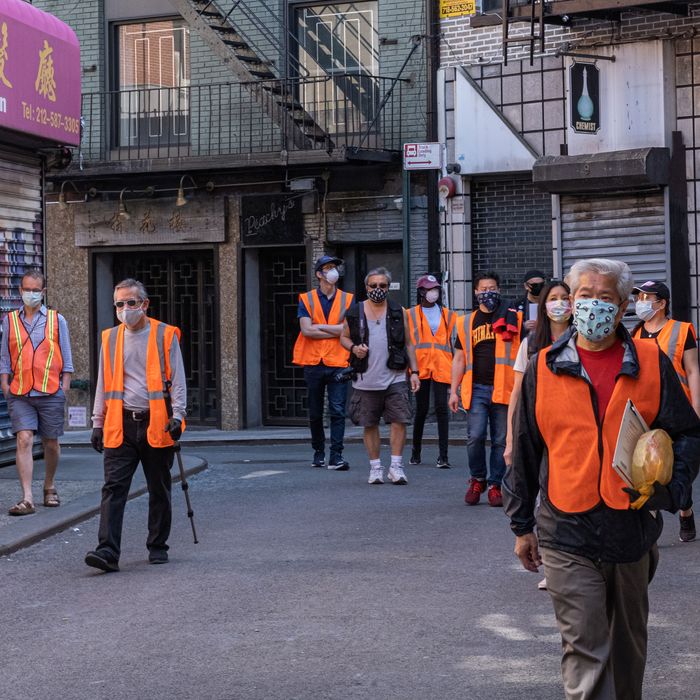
(282, 279)
(182, 290)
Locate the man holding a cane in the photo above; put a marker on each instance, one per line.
(140, 372)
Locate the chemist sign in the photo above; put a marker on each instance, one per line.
(585, 98)
(422, 156)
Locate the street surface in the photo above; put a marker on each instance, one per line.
(309, 584)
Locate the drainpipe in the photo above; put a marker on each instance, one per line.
(432, 31)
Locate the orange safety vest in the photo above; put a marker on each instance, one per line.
(160, 340)
(37, 367)
(313, 351)
(506, 352)
(580, 450)
(671, 340)
(433, 351)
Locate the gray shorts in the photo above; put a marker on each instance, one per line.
(41, 414)
(393, 404)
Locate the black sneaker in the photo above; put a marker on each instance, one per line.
(319, 459)
(415, 458)
(687, 531)
(157, 556)
(99, 561)
(442, 463)
(338, 464)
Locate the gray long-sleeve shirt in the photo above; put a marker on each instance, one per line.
(135, 388)
(36, 328)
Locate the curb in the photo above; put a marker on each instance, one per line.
(46, 524)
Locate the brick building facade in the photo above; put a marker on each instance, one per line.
(226, 143)
(646, 95)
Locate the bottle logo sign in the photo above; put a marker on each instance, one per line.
(584, 81)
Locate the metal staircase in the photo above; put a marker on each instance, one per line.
(276, 94)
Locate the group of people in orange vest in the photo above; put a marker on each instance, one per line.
(478, 359)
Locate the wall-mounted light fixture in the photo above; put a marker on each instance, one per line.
(62, 203)
(122, 213)
(180, 201)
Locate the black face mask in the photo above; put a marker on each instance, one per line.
(535, 288)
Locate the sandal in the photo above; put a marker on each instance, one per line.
(22, 508)
(51, 499)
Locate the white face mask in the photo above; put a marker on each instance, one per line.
(332, 276)
(32, 299)
(129, 317)
(645, 309)
(432, 295)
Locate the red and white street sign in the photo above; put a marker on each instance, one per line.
(422, 156)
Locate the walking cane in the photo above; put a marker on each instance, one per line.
(176, 447)
(185, 489)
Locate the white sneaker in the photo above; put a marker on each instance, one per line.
(376, 475)
(396, 474)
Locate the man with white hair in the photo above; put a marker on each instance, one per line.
(599, 555)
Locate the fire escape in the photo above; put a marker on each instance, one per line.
(538, 13)
(265, 57)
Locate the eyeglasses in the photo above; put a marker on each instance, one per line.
(24, 289)
(131, 303)
(376, 285)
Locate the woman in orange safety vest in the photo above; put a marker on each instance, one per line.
(431, 327)
(677, 339)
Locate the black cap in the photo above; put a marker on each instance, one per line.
(533, 273)
(653, 287)
(325, 260)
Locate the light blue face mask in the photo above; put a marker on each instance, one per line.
(594, 319)
(32, 299)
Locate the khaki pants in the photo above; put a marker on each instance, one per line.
(602, 612)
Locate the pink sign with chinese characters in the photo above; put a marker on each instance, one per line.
(39, 74)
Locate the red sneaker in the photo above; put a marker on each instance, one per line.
(495, 496)
(473, 495)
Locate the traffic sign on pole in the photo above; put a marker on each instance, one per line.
(422, 156)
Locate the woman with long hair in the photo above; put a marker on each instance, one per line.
(553, 320)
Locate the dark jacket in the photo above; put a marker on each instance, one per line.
(395, 333)
(602, 534)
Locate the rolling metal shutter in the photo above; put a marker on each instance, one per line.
(21, 245)
(628, 226)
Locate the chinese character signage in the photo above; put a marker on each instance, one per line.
(39, 74)
(457, 8)
(585, 98)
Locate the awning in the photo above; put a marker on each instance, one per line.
(600, 172)
(39, 74)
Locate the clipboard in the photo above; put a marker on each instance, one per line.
(632, 427)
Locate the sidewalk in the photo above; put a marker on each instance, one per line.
(291, 436)
(79, 486)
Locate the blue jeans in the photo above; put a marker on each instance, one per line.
(482, 414)
(319, 378)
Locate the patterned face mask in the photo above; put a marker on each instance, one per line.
(490, 300)
(377, 295)
(558, 310)
(594, 319)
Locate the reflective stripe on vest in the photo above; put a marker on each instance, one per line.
(671, 340)
(34, 368)
(506, 353)
(313, 351)
(157, 373)
(579, 449)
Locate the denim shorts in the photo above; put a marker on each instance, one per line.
(393, 404)
(41, 414)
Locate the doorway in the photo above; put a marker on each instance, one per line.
(182, 291)
(282, 277)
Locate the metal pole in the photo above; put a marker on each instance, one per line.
(406, 211)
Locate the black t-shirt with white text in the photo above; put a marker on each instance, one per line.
(483, 348)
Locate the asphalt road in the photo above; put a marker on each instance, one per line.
(309, 584)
